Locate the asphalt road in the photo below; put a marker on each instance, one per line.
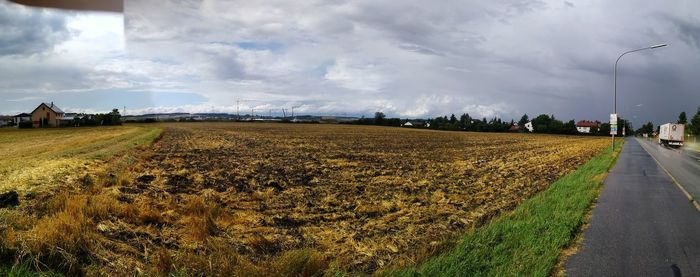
(642, 225)
(683, 164)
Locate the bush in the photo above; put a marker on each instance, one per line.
(25, 124)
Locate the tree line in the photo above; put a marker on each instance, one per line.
(467, 123)
(99, 119)
(692, 127)
(545, 124)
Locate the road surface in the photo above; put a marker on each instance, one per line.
(642, 225)
(683, 164)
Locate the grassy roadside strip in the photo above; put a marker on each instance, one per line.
(528, 241)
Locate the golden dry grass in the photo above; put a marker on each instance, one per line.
(285, 199)
(39, 158)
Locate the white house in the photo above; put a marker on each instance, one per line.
(585, 126)
(22, 117)
(407, 124)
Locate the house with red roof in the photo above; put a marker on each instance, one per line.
(586, 126)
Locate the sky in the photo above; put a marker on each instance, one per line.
(408, 59)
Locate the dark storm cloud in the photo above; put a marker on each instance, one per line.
(689, 30)
(25, 31)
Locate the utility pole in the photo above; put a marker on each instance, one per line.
(613, 131)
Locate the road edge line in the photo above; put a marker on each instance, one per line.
(678, 184)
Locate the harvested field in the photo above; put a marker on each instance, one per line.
(296, 199)
(41, 158)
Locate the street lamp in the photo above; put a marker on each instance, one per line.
(615, 94)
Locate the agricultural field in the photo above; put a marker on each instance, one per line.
(264, 199)
(45, 158)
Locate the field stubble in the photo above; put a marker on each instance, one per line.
(364, 197)
(281, 198)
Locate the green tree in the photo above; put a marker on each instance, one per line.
(523, 120)
(682, 118)
(465, 121)
(570, 128)
(556, 126)
(115, 117)
(647, 128)
(695, 123)
(379, 118)
(453, 119)
(628, 128)
(604, 129)
(541, 123)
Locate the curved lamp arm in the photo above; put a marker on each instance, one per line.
(618, 59)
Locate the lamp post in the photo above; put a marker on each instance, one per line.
(615, 93)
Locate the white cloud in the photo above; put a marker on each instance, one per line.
(358, 77)
(406, 58)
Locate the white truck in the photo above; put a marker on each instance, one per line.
(671, 134)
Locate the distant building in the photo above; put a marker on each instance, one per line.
(47, 115)
(22, 118)
(528, 126)
(328, 119)
(6, 120)
(514, 128)
(415, 123)
(585, 126)
(70, 116)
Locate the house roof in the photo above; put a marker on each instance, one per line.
(51, 106)
(23, 115)
(586, 123)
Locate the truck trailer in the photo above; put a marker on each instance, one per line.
(671, 134)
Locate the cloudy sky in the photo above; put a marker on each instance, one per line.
(405, 58)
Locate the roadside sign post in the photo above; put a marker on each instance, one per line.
(613, 128)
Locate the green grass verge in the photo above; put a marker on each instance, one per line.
(528, 241)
